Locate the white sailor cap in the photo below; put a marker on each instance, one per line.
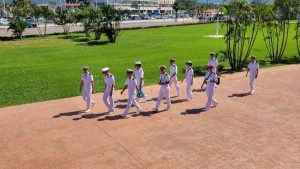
(85, 68)
(138, 63)
(189, 62)
(162, 67)
(253, 57)
(105, 69)
(129, 71)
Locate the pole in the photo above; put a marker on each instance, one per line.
(218, 21)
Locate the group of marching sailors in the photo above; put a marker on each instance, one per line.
(135, 81)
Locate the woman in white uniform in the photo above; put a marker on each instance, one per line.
(131, 85)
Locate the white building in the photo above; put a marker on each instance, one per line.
(141, 6)
(166, 6)
(149, 6)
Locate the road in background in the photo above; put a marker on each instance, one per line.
(55, 29)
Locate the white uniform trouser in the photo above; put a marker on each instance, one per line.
(108, 101)
(164, 92)
(131, 100)
(86, 95)
(138, 83)
(251, 82)
(175, 81)
(210, 96)
(189, 92)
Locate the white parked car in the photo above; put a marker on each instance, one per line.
(4, 21)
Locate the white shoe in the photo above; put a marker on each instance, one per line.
(252, 92)
(87, 111)
(155, 110)
(124, 116)
(139, 111)
(111, 112)
(215, 105)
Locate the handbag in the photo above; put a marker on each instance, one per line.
(218, 82)
(140, 94)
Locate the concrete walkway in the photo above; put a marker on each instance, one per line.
(244, 131)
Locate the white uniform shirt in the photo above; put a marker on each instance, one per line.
(253, 68)
(164, 78)
(189, 73)
(138, 74)
(214, 63)
(211, 77)
(87, 81)
(131, 85)
(109, 81)
(173, 70)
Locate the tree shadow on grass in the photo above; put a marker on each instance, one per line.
(71, 37)
(293, 60)
(193, 111)
(94, 43)
(240, 94)
(67, 114)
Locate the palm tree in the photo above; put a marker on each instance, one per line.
(276, 27)
(111, 19)
(242, 28)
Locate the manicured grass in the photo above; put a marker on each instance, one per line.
(37, 69)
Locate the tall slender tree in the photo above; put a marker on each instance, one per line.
(242, 28)
(276, 27)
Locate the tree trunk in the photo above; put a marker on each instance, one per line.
(45, 28)
(97, 35)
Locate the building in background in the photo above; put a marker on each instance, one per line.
(166, 6)
(138, 6)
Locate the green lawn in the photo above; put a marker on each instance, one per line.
(37, 69)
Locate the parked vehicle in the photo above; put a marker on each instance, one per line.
(4, 22)
(134, 17)
(156, 15)
(31, 24)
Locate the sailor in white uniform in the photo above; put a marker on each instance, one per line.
(173, 74)
(164, 91)
(87, 88)
(211, 79)
(131, 85)
(253, 69)
(189, 77)
(213, 62)
(139, 76)
(108, 99)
